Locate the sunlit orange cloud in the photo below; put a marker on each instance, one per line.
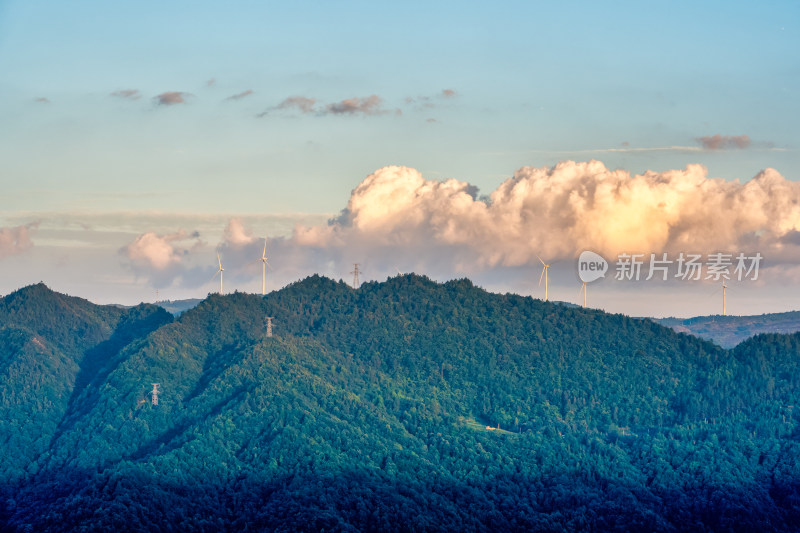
(558, 212)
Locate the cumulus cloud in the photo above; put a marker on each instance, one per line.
(557, 212)
(130, 94)
(164, 259)
(158, 251)
(236, 234)
(16, 239)
(239, 96)
(171, 98)
(724, 142)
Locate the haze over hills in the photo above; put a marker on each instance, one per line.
(176, 307)
(401, 405)
(728, 331)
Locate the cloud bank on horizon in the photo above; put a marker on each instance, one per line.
(558, 212)
(404, 221)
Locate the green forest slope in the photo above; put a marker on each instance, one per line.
(404, 405)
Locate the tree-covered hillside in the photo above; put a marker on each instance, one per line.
(400, 406)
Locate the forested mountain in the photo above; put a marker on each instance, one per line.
(404, 405)
(728, 331)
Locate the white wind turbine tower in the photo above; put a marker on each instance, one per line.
(543, 275)
(724, 288)
(583, 289)
(264, 265)
(220, 271)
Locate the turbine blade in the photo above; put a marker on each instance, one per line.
(219, 261)
(264, 253)
(542, 275)
(540, 259)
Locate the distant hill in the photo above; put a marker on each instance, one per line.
(403, 405)
(176, 307)
(728, 331)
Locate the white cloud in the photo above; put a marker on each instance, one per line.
(156, 251)
(558, 212)
(236, 235)
(15, 239)
(160, 258)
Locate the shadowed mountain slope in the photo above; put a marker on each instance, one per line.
(403, 405)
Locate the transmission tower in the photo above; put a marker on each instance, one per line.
(269, 326)
(154, 392)
(355, 274)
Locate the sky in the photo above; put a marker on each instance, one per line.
(451, 139)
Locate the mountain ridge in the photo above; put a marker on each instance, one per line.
(403, 404)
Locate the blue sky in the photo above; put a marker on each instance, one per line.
(119, 117)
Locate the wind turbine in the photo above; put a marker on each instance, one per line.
(264, 265)
(220, 271)
(724, 297)
(543, 275)
(583, 289)
(724, 288)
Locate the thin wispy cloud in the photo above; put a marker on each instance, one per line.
(370, 105)
(128, 94)
(430, 101)
(306, 105)
(724, 142)
(239, 96)
(625, 148)
(589, 151)
(366, 106)
(634, 149)
(300, 103)
(171, 98)
(211, 82)
(41, 100)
